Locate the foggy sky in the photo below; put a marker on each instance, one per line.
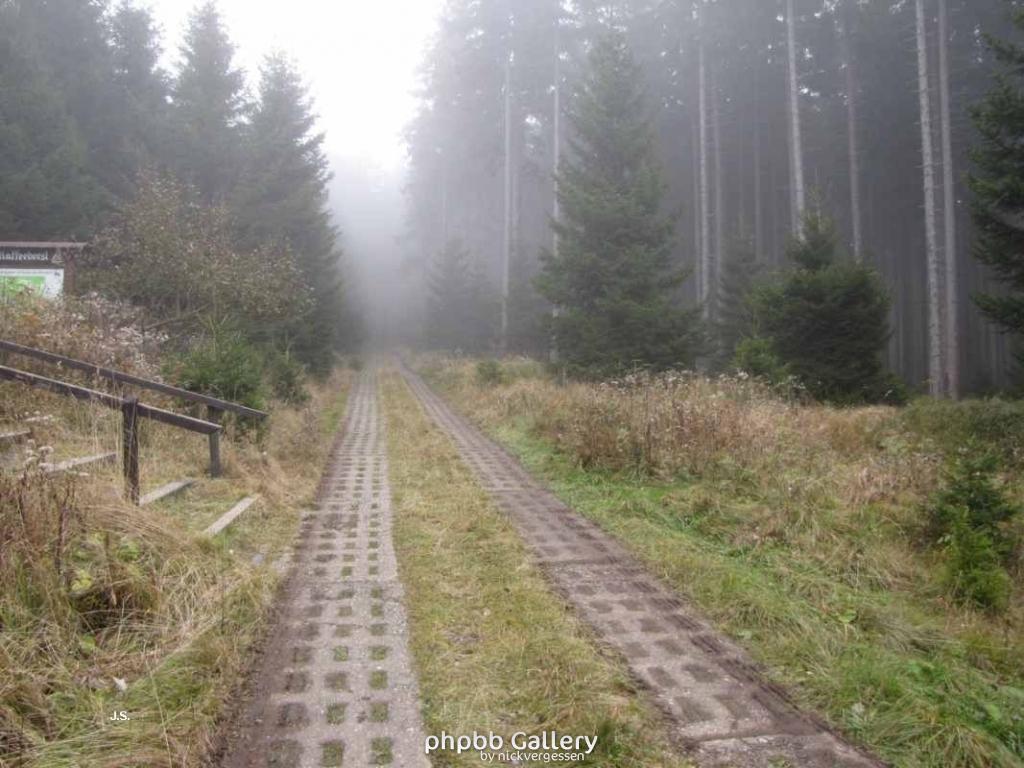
(359, 57)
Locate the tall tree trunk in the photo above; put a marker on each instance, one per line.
(445, 237)
(796, 147)
(949, 216)
(935, 346)
(506, 246)
(556, 154)
(705, 223)
(741, 224)
(758, 202)
(853, 148)
(719, 253)
(698, 230)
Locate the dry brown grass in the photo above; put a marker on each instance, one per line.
(105, 606)
(731, 428)
(843, 486)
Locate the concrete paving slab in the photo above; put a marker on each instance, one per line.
(720, 706)
(337, 686)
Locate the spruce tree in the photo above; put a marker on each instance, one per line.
(827, 320)
(998, 186)
(144, 88)
(735, 317)
(46, 187)
(208, 107)
(613, 281)
(282, 198)
(70, 40)
(462, 309)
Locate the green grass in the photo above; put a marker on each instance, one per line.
(494, 647)
(890, 667)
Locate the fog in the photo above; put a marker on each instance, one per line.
(368, 207)
(361, 62)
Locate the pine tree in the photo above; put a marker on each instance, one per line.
(462, 309)
(208, 107)
(613, 279)
(998, 186)
(826, 321)
(282, 198)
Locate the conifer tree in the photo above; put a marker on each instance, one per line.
(998, 186)
(48, 189)
(282, 198)
(208, 106)
(143, 84)
(827, 319)
(462, 309)
(613, 279)
(735, 321)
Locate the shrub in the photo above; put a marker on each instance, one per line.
(91, 328)
(287, 378)
(972, 495)
(995, 422)
(180, 260)
(974, 572)
(974, 518)
(224, 366)
(755, 357)
(489, 373)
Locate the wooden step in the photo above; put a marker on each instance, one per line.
(166, 491)
(38, 420)
(231, 515)
(8, 439)
(75, 464)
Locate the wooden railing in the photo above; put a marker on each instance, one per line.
(215, 407)
(131, 412)
(126, 378)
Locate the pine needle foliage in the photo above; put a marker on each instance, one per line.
(613, 280)
(998, 185)
(827, 320)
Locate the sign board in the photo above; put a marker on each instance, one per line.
(46, 282)
(45, 268)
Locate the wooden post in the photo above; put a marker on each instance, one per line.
(70, 273)
(130, 447)
(214, 415)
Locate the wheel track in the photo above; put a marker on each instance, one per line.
(336, 685)
(719, 705)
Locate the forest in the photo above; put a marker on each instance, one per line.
(885, 121)
(655, 386)
(205, 201)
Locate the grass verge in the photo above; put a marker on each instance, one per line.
(106, 608)
(495, 649)
(829, 590)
